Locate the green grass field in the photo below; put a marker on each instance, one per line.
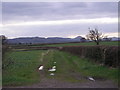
(112, 43)
(70, 68)
(24, 68)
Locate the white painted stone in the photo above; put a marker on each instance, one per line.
(41, 67)
(54, 62)
(52, 74)
(54, 67)
(90, 78)
(52, 70)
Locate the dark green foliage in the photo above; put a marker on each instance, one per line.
(94, 53)
(4, 46)
(107, 55)
(111, 56)
(5, 49)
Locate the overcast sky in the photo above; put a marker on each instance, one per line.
(55, 19)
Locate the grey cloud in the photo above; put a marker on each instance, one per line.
(53, 11)
(57, 11)
(61, 31)
(0, 12)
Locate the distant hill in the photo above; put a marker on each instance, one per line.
(42, 40)
(111, 39)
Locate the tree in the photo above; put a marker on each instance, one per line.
(5, 48)
(94, 35)
(3, 38)
(82, 39)
(107, 39)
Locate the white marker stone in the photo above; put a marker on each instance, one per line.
(53, 67)
(52, 70)
(52, 74)
(54, 62)
(41, 68)
(90, 78)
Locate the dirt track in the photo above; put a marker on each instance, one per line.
(51, 83)
(55, 83)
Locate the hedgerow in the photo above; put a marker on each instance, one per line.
(106, 55)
